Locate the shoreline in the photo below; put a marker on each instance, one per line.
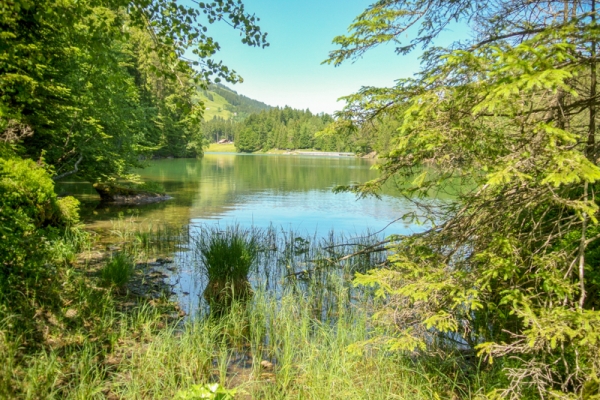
(230, 149)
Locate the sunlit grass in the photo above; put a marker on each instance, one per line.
(290, 356)
(217, 107)
(221, 148)
(276, 344)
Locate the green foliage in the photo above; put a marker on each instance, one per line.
(249, 140)
(207, 391)
(281, 128)
(290, 129)
(507, 270)
(228, 255)
(117, 271)
(344, 135)
(219, 128)
(32, 218)
(38, 237)
(93, 87)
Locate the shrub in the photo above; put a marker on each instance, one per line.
(33, 220)
(38, 237)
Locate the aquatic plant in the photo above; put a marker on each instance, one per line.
(117, 270)
(228, 254)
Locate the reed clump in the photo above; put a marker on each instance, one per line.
(118, 270)
(227, 257)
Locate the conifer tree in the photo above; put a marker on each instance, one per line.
(510, 269)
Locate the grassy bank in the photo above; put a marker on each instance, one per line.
(139, 355)
(221, 148)
(105, 341)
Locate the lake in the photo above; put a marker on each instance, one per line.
(291, 192)
(289, 195)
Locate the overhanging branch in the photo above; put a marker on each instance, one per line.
(71, 172)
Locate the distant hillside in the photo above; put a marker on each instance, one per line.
(223, 102)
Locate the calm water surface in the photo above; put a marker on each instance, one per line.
(292, 192)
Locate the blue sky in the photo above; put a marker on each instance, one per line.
(289, 71)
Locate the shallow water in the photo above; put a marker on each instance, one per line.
(291, 195)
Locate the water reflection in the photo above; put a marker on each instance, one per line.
(283, 193)
(289, 191)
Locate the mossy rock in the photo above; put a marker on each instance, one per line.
(127, 195)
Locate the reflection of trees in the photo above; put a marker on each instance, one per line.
(293, 173)
(223, 179)
(211, 186)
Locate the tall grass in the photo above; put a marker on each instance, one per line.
(118, 270)
(305, 358)
(310, 360)
(228, 254)
(295, 338)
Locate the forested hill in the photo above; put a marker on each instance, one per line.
(290, 129)
(256, 126)
(223, 102)
(275, 128)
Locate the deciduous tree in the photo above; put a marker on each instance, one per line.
(102, 82)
